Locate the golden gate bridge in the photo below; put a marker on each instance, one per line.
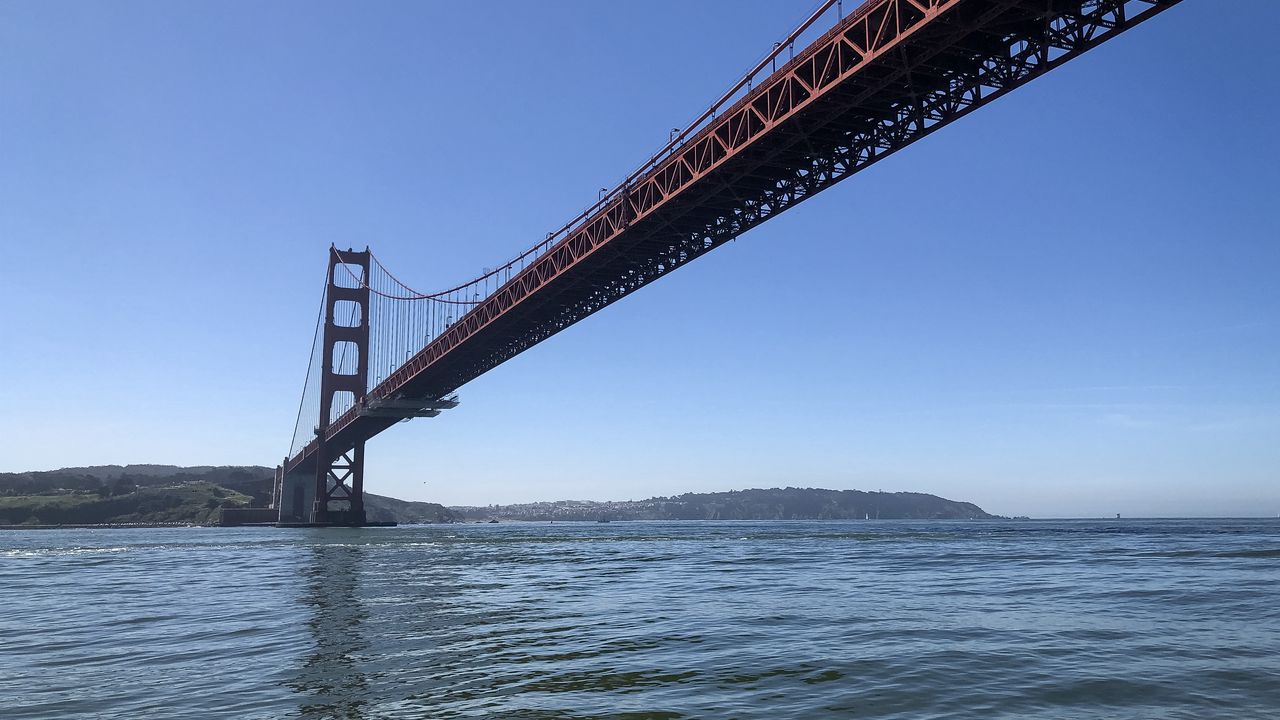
(880, 76)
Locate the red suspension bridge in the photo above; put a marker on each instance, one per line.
(848, 87)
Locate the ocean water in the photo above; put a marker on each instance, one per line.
(877, 619)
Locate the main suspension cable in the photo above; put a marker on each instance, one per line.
(441, 296)
(610, 196)
(315, 339)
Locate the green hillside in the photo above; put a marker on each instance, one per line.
(193, 503)
(154, 494)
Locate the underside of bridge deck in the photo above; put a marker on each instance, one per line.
(887, 75)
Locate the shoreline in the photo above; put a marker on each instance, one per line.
(105, 526)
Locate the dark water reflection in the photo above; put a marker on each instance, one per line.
(332, 680)
(1145, 619)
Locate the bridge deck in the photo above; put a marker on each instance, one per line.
(887, 75)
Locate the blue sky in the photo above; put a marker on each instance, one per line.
(1063, 305)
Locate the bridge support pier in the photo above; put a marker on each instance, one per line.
(297, 496)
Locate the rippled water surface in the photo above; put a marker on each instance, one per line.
(1124, 619)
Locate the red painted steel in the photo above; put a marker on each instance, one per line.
(339, 475)
(887, 75)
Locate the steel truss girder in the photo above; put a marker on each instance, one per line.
(888, 75)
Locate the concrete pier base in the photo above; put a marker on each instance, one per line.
(333, 525)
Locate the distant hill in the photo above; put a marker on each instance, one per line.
(116, 494)
(108, 472)
(379, 508)
(772, 504)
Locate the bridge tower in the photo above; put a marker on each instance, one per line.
(339, 482)
(332, 491)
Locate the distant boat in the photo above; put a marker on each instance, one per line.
(492, 522)
(603, 519)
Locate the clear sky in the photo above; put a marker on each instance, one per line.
(1063, 305)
